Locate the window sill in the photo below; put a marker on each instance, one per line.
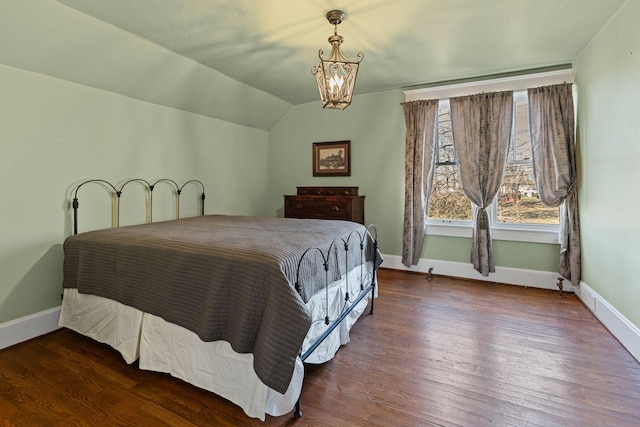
(497, 233)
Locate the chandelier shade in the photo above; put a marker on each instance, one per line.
(336, 75)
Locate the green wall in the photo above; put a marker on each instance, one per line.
(375, 125)
(55, 134)
(608, 84)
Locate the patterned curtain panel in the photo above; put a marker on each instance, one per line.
(420, 118)
(552, 128)
(481, 126)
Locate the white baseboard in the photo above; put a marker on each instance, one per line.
(28, 327)
(619, 326)
(511, 276)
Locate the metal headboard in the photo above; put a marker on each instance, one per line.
(117, 192)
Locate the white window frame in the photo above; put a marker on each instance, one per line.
(535, 233)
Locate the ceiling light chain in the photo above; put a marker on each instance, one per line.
(336, 75)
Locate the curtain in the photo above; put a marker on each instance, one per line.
(481, 126)
(551, 124)
(420, 118)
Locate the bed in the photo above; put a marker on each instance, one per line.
(231, 304)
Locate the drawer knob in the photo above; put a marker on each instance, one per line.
(335, 208)
(299, 206)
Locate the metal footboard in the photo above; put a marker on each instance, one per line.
(338, 244)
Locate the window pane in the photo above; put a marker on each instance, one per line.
(518, 200)
(447, 202)
(445, 151)
(520, 146)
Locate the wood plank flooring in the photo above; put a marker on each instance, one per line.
(446, 352)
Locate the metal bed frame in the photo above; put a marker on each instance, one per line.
(349, 304)
(117, 192)
(339, 243)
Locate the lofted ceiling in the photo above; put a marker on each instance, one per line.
(272, 44)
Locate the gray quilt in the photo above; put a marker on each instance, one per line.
(223, 277)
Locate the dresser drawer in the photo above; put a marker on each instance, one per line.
(341, 203)
(316, 207)
(327, 191)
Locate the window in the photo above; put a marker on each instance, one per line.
(517, 205)
(517, 213)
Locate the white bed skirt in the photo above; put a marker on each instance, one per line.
(161, 346)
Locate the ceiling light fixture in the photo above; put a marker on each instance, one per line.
(336, 75)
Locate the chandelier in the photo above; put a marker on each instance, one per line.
(336, 75)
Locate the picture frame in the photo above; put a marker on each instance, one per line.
(332, 158)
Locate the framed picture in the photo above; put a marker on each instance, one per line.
(332, 158)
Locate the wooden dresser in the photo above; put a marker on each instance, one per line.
(325, 203)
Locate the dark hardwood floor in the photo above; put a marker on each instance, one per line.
(446, 352)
